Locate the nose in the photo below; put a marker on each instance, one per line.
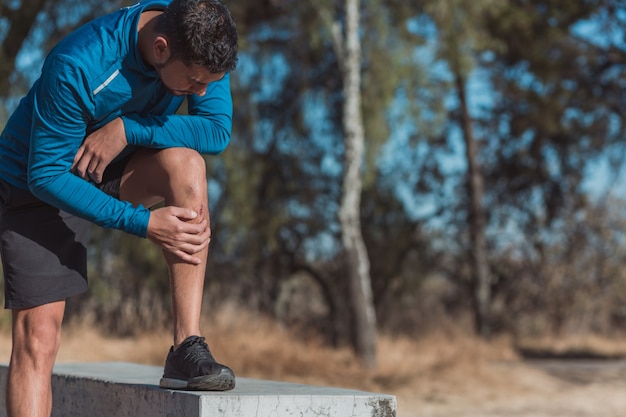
(201, 90)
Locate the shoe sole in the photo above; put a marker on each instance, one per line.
(224, 381)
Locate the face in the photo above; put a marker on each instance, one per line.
(186, 80)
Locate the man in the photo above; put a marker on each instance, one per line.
(96, 140)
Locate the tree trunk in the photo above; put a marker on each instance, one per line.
(360, 286)
(481, 281)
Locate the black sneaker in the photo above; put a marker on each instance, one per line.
(192, 367)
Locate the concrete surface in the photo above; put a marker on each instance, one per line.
(118, 389)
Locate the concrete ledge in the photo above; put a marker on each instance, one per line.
(129, 390)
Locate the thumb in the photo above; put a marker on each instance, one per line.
(184, 213)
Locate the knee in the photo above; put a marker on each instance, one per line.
(187, 172)
(37, 339)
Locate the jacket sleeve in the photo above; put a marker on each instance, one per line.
(61, 108)
(206, 129)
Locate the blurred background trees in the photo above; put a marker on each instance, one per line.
(492, 191)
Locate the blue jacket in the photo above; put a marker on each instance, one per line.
(90, 78)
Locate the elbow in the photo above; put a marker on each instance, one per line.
(224, 142)
(221, 141)
(40, 183)
(38, 186)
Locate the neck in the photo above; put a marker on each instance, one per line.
(146, 33)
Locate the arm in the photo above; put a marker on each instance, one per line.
(61, 110)
(206, 129)
(60, 113)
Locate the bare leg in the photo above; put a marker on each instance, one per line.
(176, 176)
(36, 340)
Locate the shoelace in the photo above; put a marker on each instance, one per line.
(197, 351)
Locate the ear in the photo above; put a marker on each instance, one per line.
(161, 50)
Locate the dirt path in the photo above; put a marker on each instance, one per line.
(527, 389)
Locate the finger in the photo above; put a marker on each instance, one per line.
(192, 243)
(192, 249)
(77, 157)
(81, 167)
(206, 235)
(95, 177)
(201, 230)
(197, 229)
(183, 213)
(187, 258)
(95, 171)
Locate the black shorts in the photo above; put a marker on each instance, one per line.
(44, 249)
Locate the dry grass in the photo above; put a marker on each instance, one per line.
(574, 346)
(437, 375)
(258, 347)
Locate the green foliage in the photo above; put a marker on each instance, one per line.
(557, 103)
(37, 25)
(554, 106)
(461, 34)
(389, 68)
(128, 285)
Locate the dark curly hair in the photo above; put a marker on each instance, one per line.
(201, 32)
